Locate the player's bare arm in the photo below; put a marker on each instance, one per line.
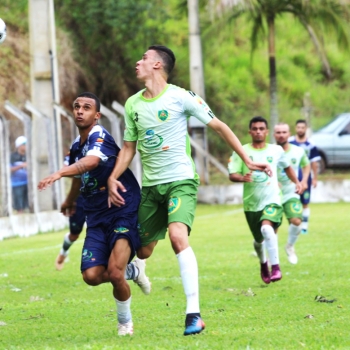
(314, 167)
(124, 159)
(306, 172)
(80, 167)
(236, 177)
(293, 177)
(231, 139)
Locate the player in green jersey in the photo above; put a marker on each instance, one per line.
(156, 123)
(292, 206)
(261, 195)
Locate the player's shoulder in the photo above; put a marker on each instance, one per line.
(75, 142)
(133, 98)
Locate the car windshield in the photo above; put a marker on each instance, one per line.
(333, 124)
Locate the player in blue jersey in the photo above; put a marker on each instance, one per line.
(76, 224)
(112, 235)
(301, 140)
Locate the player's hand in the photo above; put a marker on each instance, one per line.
(305, 186)
(247, 177)
(48, 181)
(68, 208)
(260, 166)
(314, 183)
(299, 188)
(114, 196)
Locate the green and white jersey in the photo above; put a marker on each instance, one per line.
(263, 190)
(297, 158)
(159, 125)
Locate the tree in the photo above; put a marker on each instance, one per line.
(316, 16)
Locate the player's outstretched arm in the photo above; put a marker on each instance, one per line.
(293, 177)
(236, 177)
(125, 156)
(80, 167)
(231, 139)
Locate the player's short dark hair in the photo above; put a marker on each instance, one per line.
(166, 55)
(258, 119)
(92, 96)
(301, 121)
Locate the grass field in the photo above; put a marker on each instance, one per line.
(41, 308)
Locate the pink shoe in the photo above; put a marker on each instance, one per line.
(276, 273)
(265, 273)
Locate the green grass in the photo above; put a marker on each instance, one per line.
(47, 309)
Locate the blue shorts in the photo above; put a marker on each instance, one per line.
(77, 220)
(305, 197)
(100, 239)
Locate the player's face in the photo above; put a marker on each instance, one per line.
(281, 134)
(258, 132)
(145, 66)
(300, 129)
(85, 114)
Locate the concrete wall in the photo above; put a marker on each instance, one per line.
(326, 192)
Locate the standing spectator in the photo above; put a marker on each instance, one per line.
(19, 176)
(301, 140)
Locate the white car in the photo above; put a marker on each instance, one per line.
(333, 142)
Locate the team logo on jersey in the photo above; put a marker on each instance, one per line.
(163, 115)
(87, 255)
(296, 208)
(99, 140)
(259, 176)
(269, 159)
(270, 211)
(293, 160)
(173, 205)
(152, 140)
(121, 230)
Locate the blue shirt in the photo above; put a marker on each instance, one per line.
(19, 177)
(94, 183)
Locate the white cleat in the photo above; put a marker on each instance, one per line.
(126, 328)
(142, 280)
(292, 257)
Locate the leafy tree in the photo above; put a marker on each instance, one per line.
(317, 16)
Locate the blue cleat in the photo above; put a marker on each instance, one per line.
(304, 231)
(195, 327)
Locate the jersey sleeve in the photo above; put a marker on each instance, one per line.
(283, 161)
(130, 132)
(195, 106)
(304, 160)
(314, 154)
(235, 164)
(96, 145)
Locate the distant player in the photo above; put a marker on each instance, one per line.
(292, 206)
(112, 233)
(156, 123)
(261, 196)
(301, 140)
(76, 225)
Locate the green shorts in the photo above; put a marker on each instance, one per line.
(271, 212)
(163, 204)
(293, 209)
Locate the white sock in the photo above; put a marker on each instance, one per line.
(306, 215)
(260, 251)
(271, 243)
(189, 275)
(66, 244)
(293, 233)
(123, 310)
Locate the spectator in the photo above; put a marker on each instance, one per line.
(19, 176)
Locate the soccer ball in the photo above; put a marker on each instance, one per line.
(2, 31)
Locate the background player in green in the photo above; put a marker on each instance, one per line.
(292, 206)
(156, 122)
(261, 196)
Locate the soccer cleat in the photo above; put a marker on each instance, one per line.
(304, 231)
(265, 273)
(292, 257)
(142, 280)
(276, 273)
(195, 327)
(60, 261)
(126, 328)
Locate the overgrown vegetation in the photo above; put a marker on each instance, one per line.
(110, 36)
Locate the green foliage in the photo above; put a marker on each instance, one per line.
(46, 309)
(15, 14)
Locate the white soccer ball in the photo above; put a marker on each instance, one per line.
(2, 31)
